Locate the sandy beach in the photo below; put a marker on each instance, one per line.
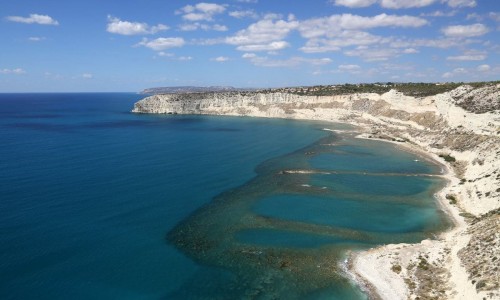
(381, 268)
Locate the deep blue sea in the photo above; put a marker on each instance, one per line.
(100, 203)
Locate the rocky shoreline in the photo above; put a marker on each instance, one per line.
(461, 128)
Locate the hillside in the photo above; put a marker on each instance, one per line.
(187, 89)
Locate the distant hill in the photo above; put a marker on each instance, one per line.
(189, 89)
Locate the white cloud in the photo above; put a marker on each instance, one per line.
(475, 17)
(115, 25)
(87, 76)
(273, 46)
(165, 54)
(469, 56)
(338, 31)
(201, 11)
(439, 13)
(218, 27)
(410, 51)
(264, 35)
(240, 14)
(207, 42)
(349, 21)
(483, 68)
(330, 26)
(395, 67)
(264, 61)
(248, 1)
(495, 16)
(52, 76)
(263, 32)
(196, 17)
(397, 4)
(349, 67)
(189, 26)
(162, 43)
(249, 55)
(172, 56)
(36, 38)
(373, 54)
(466, 57)
(454, 73)
(17, 71)
(344, 39)
(210, 8)
(220, 59)
(465, 30)
(447, 75)
(354, 3)
(34, 19)
(462, 3)
(431, 43)
(206, 27)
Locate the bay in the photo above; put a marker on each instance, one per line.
(95, 198)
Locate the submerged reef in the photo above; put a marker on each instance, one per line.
(292, 254)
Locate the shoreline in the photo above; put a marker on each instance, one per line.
(367, 274)
(452, 266)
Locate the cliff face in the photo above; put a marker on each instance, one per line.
(463, 107)
(233, 103)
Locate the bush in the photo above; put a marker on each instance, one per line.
(396, 269)
(480, 284)
(451, 198)
(467, 215)
(447, 157)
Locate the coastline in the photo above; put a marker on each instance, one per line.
(369, 268)
(435, 127)
(374, 269)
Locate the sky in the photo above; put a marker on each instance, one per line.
(129, 45)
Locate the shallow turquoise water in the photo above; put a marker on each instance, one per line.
(349, 213)
(100, 203)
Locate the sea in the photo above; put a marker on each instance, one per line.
(97, 202)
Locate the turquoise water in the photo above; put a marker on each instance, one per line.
(100, 203)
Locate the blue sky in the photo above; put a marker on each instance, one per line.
(129, 45)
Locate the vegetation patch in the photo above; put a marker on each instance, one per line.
(447, 157)
(417, 89)
(467, 215)
(452, 199)
(423, 264)
(396, 269)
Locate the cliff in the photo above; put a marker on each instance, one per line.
(460, 127)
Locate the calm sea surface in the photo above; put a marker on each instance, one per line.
(99, 203)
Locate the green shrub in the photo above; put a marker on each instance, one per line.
(451, 198)
(396, 269)
(447, 157)
(467, 215)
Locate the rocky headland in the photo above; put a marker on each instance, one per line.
(459, 127)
